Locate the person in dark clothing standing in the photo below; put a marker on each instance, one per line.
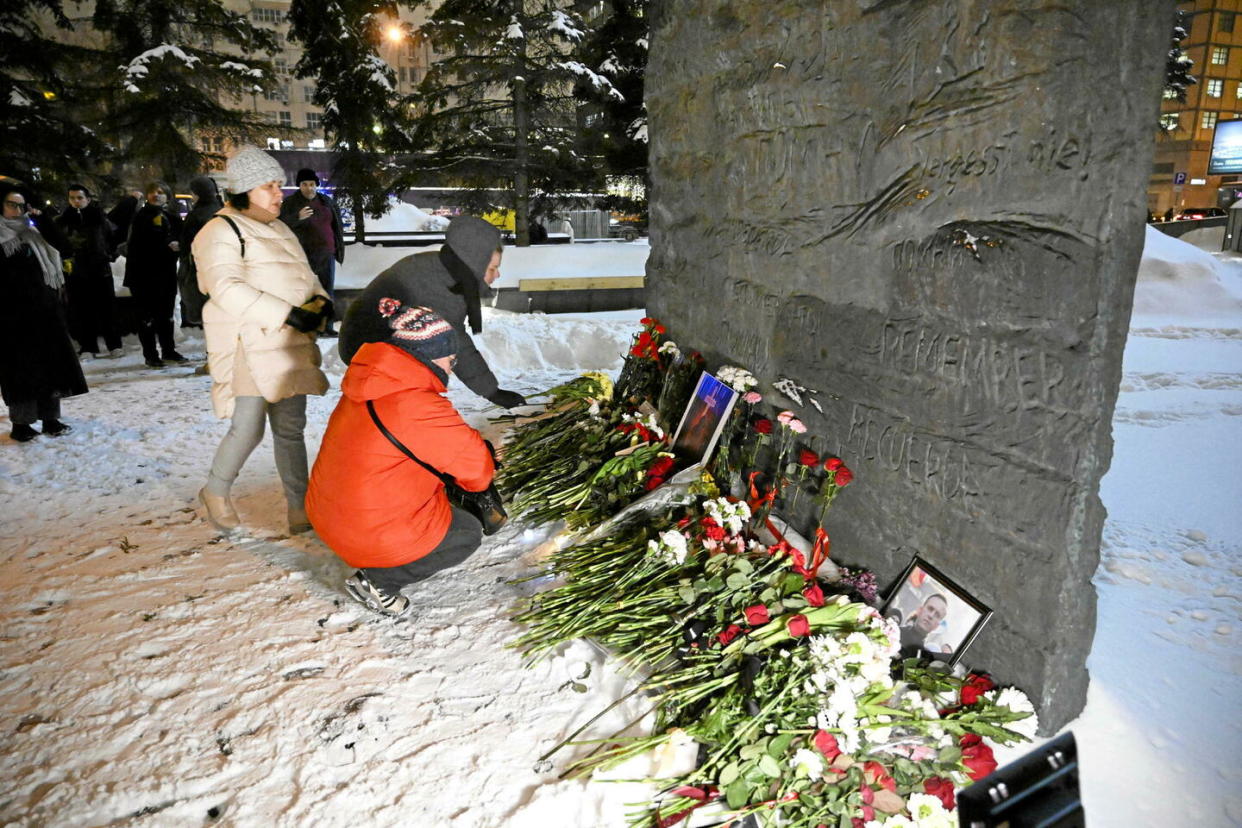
(122, 216)
(38, 367)
(151, 274)
(315, 219)
(88, 273)
(450, 281)
(206, 204)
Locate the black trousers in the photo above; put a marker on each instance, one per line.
(462, 539)
(90, 312)
(155, 303)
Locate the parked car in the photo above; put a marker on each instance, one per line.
(627, 226)
(1189, 213)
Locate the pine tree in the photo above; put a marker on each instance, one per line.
(355, 87)
(615, 127)
(182, 63)
(497, 109)
(41, 142)
(1177, 75)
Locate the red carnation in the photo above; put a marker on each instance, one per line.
(798, 626)
(844, 476)
(833, 463)
(646, 320)
(730, 632)
(708, 521)
(826, 744)
(763, 425)
(756, 615)
(942, 788)
(716, 533)
(975, 686)
(814, 595)
(879, 776)
(977, 757)
(806, 457)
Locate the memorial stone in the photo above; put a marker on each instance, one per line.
(932, 213)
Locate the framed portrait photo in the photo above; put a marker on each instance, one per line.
(703, 420)
(937, 618)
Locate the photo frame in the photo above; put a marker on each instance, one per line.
(937, 617)
(703, 420)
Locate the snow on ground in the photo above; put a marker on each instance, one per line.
(151, 674)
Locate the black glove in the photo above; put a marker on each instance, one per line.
(303, 320)
(507, 399)
(326, 309)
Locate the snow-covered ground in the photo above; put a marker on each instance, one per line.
(151, 674)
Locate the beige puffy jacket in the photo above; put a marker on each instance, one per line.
(250, 298)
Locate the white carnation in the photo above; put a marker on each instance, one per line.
(1017, 702)
(808, 762)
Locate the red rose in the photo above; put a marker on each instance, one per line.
(798, 626)
(646, 320)
(833, 463)
(858, 822)
(731, 632)
(756, 615)
(814, 595)
(660, 329)
(716, 533)
(879, 776)
(826, 744)
(844, 476)
(868, 796)
(868, 813)
(977, 757)
(806, 457)
(653, 481)
(763, 425)
(708, 521)
(975, 686)
(942, 788)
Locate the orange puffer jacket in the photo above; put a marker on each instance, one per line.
(372, 505)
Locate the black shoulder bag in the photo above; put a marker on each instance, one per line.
(484, 505)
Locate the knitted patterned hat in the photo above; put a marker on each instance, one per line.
(251, 167)
(420, 331)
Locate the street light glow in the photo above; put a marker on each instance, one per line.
(394, 33)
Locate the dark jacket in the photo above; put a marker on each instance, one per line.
(122, 216)
(423, 280)
(372, 505)
(301, 228)
(90, 238)
(148, 259)
(37, 358)
(208, 205)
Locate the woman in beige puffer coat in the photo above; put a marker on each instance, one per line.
(264, 307)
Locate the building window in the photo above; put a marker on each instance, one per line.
(1226, 21)
(308, 94)
(270, 16)
(1208, 121)
(284, 118)
(314, 120)
(282, 67)
(1170, 121)
(1220, 55)
(1215, 87)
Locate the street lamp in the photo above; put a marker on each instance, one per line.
(394, 33)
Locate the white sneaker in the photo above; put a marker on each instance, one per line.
(366, 593)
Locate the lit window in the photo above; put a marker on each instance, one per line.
(1208, 121)
(1220, 55)
(1215, 87)
(1170, 120)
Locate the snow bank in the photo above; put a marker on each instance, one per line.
(1178, 279)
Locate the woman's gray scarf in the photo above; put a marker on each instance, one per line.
(14, 232)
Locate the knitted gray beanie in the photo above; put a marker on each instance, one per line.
(251, 167)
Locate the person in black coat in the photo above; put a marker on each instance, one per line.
(122, 216)
(206, 204)
(151, 274)
(315, 219)
(88, 273)
(450, 281)
(38, 366)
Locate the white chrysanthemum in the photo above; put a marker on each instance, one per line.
(669, 347)
(739, 379)
(880, 735)
(1016, 701)
(894, 821)
(808, 762)
(594, 409)
(671, 546)
(928, 811)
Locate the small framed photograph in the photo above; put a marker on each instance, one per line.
(703, 420)
(938, 619)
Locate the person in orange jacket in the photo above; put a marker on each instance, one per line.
(376, 508)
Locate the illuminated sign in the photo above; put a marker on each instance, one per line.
(1226, 148)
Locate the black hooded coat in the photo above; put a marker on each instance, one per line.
(451, 288)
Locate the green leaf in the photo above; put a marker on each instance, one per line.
(729, 774)
(767, 596)
(715, 584)
(950, 755)
(686, 594)
(769, 766)
(742, 565)
(737, 794)
(780, 745)
(737, 582)
(792, 582)
(751, 751)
